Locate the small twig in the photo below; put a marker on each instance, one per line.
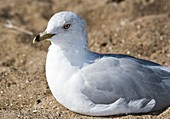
(9, 25)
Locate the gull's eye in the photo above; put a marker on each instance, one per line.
(66, 26)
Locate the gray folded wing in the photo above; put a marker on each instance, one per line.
(111, 78)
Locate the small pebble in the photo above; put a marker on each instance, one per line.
(122, 23)
(34, 111)
(128, 52)
(38, 101)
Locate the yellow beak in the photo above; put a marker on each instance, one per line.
(42, 36)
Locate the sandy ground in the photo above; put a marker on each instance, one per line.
(140, 28)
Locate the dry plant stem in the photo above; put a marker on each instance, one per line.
(9, 25)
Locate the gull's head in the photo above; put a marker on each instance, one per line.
(64, 28)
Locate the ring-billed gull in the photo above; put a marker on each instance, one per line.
(99, 84)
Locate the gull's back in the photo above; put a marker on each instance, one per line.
(112, 77)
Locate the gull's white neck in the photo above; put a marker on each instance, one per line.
(73, 54)
(74, 51)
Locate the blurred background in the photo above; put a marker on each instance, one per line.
(140, 28)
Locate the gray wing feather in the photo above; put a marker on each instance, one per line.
(111, 78)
